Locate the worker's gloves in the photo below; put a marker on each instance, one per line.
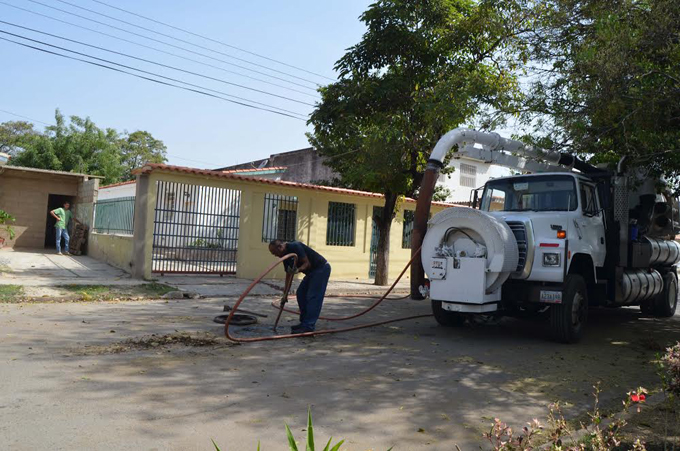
(292, 270)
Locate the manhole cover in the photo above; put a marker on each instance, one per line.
(237, 320)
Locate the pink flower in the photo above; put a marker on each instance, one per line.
(635, 397)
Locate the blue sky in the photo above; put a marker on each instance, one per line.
(198, 131)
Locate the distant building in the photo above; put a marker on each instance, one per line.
(301, 166)
(468, 175)
(307, 166)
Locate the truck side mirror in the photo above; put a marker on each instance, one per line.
(475, 198)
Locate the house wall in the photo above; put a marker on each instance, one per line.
(24, 195)
(116, 250)
(484, 172)
(253, 255)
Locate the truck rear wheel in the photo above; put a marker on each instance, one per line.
(568, 319)
(446, 318)
(665, 304)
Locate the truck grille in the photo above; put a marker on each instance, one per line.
(520, 231)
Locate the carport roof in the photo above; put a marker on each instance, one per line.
(48, 171)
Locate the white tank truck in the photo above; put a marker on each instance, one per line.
(563, 238)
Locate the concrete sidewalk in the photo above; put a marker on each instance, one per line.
(40, 270)
(38, 267)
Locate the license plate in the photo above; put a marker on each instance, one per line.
(551, 297)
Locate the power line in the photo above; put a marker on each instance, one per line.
(149, 73)
(182, 40)
(150, 62)
(24, 117)
(161, 34)
(164, 43)
(172, 54)
(152, 79)
(213, 40)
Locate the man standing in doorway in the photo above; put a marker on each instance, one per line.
(63, 217)
(312, 289)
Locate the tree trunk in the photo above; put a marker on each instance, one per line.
(383, 251)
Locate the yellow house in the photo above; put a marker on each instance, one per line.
(190, 220)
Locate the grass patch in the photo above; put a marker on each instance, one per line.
(10, 292)
(116, 292)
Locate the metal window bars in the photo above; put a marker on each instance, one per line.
(341, 224)
(280, 218)
(115, 216)
(408, 229)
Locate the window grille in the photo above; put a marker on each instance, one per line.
(468, 175)
(408, 229)
(341, 224)
(280, 218)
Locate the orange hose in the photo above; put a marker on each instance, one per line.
(318, 332)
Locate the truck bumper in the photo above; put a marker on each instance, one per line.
(520, 293)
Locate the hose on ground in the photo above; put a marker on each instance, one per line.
(318, 332)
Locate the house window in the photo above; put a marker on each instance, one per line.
(408, 229)
(280, 218)
(341, 224)
(468, 175)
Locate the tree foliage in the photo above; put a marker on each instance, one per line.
(423, 67)
(80, 146)
(606, 80)
(138, 148)
(14, 135)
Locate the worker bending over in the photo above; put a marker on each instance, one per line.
(312, 289)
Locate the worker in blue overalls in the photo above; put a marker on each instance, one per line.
(312, 289)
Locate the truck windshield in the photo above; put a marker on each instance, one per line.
(535, 193)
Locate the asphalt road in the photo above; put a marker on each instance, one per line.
(70, 380)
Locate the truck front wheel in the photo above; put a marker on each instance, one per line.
(446, 318)
(664, 305)
(568, 319)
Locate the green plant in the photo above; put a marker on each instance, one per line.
(200, 242)
(596, 434)
(5, 219)
(309, 443)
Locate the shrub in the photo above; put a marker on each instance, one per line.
(5, 220)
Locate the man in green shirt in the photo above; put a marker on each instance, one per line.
(63, 217)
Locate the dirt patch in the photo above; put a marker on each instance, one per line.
(657, 426)
(155, 341)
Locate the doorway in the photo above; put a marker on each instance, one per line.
(54, 201)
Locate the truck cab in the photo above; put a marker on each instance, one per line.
(556, 219)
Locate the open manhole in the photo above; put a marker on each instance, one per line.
(238, 319)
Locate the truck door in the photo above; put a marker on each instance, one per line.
(590, 225)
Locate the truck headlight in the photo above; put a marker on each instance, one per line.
(551, 259)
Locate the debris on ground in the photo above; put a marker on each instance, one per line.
(155, 341)
(181, 295)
